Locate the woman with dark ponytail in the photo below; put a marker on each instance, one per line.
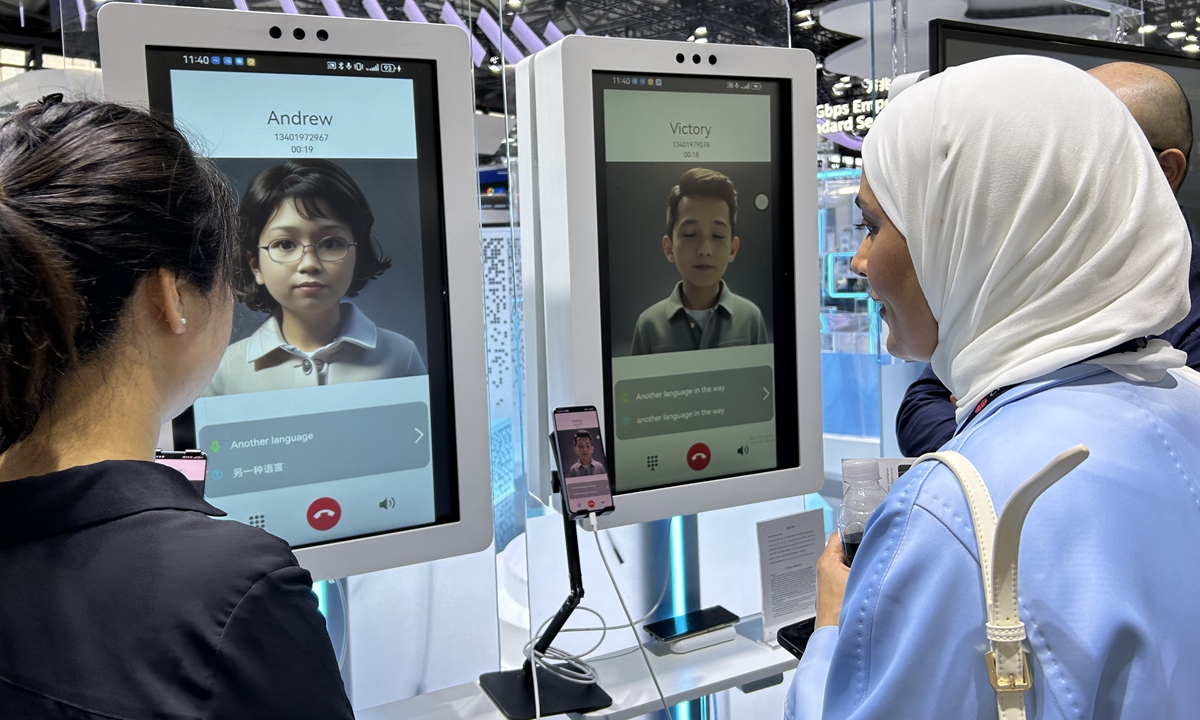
(121, 596)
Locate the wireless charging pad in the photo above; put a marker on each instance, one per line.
(702, 640)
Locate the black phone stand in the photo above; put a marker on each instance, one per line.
(512, 690)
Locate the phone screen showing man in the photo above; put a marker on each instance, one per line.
(582, 462)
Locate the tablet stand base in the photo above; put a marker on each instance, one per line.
(512, 690)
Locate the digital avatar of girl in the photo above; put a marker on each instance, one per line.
(306, 246)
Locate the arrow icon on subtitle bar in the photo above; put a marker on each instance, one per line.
(420, 436)
(766, 393)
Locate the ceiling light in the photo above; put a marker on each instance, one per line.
(701, 32)
(514, 4)
(1147, 29)
(1177, 24)
(849, 190)
(807, 24)
(1191, 38)
(691, 38)
(1191, 48)
(1176, 34)
(806, 13)
(701, 40)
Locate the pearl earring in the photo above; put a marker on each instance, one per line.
(183, 321)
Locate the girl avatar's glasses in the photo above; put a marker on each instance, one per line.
(287, 252)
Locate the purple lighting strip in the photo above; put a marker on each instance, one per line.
(413, 13)
(553, 34)
(241, 5)
(82, 15)
(508, 50)
(526, 35)
(289, 7)
(374, 10)
(332, 9)
(451, 18)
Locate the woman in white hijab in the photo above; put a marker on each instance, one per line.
(1023, 239)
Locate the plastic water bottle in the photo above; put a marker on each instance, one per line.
(861, 495)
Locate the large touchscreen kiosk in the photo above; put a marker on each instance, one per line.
(318, 424)
(696, 282)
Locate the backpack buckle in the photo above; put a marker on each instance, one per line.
(1009, 683)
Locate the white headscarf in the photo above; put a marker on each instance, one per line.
(1040, 225)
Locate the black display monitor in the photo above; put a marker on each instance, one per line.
(955, 43)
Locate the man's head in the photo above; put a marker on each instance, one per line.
(583, 446)
(1160, 108)
(701, 237)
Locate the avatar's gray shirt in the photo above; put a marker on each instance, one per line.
(580, 470)
(665, 325)
(265, 361)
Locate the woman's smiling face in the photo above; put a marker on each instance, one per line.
(883, 258)
(309, 285)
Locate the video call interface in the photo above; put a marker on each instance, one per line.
(319, 424)
(581, 460)
(697, 287)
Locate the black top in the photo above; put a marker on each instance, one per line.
(120, 598)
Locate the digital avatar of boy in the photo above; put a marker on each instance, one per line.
(701, 241)
(306, 246)
(584, 449)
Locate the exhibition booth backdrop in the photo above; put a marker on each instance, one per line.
(414, 631)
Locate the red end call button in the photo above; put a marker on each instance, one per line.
(698, 456)
(324, 513)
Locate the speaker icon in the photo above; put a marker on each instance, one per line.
(387, 503)
(744, 450)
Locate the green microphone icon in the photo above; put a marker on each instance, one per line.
(216, 446)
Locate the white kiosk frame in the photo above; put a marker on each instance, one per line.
(127, 29)
(559, 223)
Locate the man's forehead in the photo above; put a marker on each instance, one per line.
(691, 205)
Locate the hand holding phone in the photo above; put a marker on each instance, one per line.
(582, 465)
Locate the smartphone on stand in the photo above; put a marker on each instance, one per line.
(192, 463)
(582, 464)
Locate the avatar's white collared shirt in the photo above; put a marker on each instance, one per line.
(265, 361)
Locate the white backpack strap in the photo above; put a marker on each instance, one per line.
(1008, 663)
(983, 513)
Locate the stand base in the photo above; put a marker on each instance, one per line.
(512, 691)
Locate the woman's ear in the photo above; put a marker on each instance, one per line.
(163, 290)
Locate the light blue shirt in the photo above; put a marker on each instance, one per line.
(1109, 573)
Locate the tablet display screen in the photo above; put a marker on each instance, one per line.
(696, 267)
(330, 416)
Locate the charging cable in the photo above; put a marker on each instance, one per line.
(578, 670)
(632, 625)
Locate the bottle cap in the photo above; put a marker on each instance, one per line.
(856, 471)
